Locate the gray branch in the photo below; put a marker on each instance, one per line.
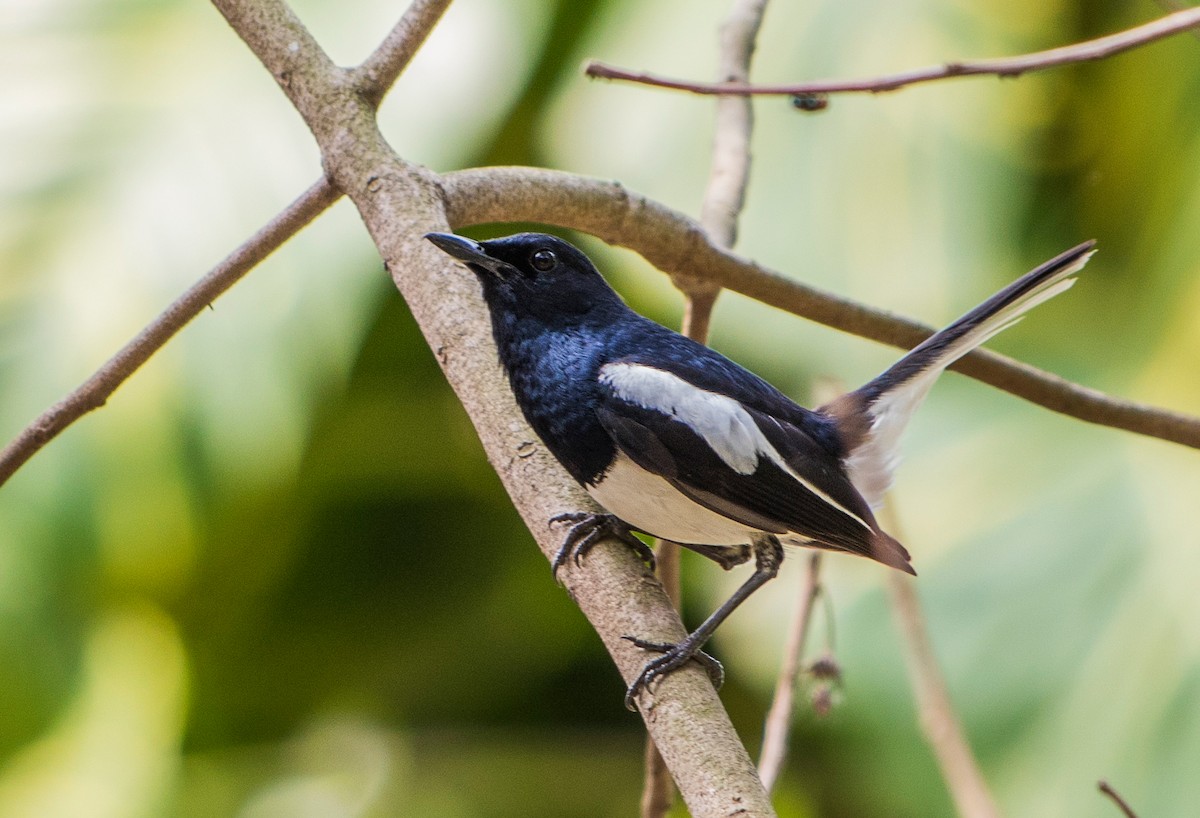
(675, 244)
(399, 202)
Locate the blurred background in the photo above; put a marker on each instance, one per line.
(275, 575)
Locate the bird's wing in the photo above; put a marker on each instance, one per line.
(749, 466)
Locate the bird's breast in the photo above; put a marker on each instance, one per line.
(651, 504)
(553, 380)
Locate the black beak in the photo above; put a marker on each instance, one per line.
(469, 252)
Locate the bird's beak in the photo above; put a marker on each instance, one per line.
(469, 252)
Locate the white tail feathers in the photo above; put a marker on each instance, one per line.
(890, 399)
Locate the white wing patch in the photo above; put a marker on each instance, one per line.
(722, 422)
(726, 427)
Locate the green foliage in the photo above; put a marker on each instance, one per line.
(276, 576)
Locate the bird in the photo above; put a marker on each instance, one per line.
(676, 441)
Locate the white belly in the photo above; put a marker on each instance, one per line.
(651, 504)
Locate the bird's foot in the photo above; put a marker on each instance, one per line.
(587, 529)
(673, 657)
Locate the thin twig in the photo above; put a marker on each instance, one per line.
(96, 390)
(1096, 49)
(719, 212)
(379, 71)
(1122, 805)
(939, 722)
(729, 171)
(1178, 5)
(674, 243)
(778, 725)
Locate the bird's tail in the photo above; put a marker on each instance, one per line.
(877, 414)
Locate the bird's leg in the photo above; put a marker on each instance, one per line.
(768, 554)
(587, 529)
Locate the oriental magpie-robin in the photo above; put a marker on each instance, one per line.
(674, 440)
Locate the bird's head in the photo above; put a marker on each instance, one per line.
(531, 274)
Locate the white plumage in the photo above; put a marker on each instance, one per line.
(724, 423)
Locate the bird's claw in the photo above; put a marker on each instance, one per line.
(587, 529)
(674, 656)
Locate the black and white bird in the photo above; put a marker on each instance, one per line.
(675, 440)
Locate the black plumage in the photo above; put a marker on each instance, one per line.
(677, 441)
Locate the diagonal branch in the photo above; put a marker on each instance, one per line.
(939, 722)
(1116, 798)
(96, 390)
(1096, 49)
(777, 727)
(399, 202)
(675, 244)
(377, 74)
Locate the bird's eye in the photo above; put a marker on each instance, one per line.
(543, 260)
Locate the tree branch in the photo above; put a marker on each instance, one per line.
(939, 722)
(400, 202)
(1178, 5)
(730, 168)
(1096, 49)
(96, 390)
(377, 74)
(675, 244)
(1116, 798)
(778, 726)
